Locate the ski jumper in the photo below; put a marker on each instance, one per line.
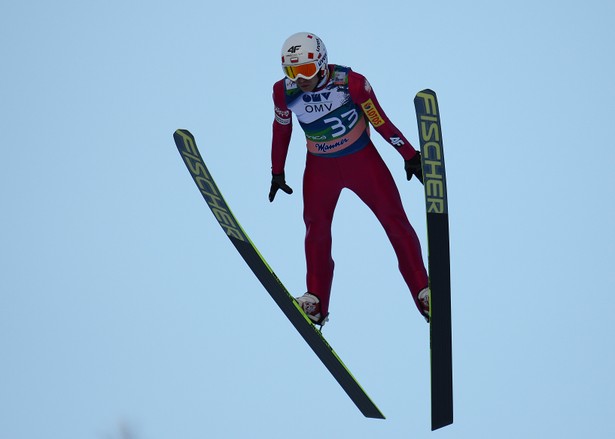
(335, 118)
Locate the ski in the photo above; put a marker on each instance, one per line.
(440, 330)
(186, 145)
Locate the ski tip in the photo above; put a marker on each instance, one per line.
(183, 136)
(427, 91)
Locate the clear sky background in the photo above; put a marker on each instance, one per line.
(125, 312)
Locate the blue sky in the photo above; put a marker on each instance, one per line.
(126, 313)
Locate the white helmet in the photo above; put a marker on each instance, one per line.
(303, 56)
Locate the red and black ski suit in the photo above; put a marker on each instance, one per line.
(335, 118)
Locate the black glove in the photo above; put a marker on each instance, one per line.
(413, 167)
(278, 182)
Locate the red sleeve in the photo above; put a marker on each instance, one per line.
(362, 93)
(282, 129)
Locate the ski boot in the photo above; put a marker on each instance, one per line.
(310, 304)
(423, 298)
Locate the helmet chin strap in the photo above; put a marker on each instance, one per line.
(323, 74)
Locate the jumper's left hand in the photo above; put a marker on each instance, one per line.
(413, 167)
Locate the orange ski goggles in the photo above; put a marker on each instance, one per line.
(305, 71)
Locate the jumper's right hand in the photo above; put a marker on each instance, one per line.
(278, 182)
